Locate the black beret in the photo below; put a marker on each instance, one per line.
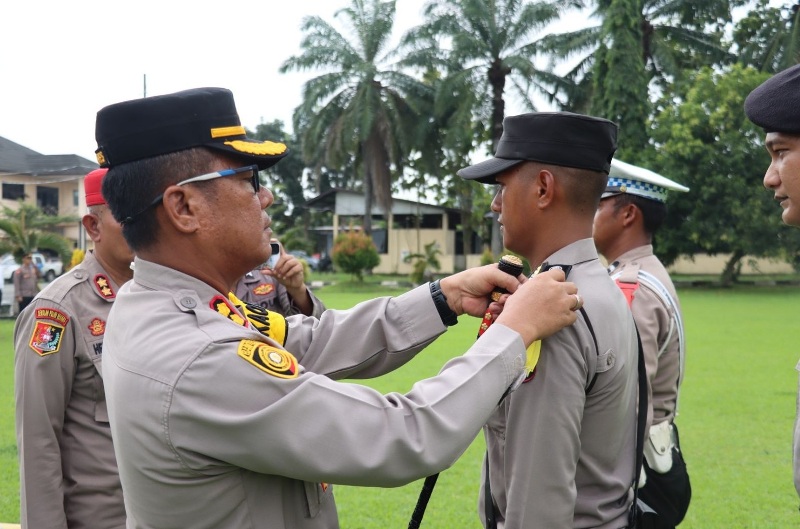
(775, 104)
(144, 128)
(554, 138)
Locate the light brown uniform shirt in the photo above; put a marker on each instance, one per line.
(658, 329)
(216, 425)
(266, 291)
(26, 281)
(68, 473)
(560, 458)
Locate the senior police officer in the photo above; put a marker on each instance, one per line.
(561, 449)
(227, 415)
(68, 473)
(631, 210)
(775, 107)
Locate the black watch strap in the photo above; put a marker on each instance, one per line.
(448, 316)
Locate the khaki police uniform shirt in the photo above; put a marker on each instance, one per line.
(216, 426)
(265, 291)
(559, 458)
(26, 281)
(68, 474)
(653, 318)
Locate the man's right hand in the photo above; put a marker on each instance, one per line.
(541, 306)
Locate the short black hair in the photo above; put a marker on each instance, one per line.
(584, 187)
(129, 190)
(653, 212)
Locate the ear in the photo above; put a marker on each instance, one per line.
(545, 185)
(91, 223)
(181, 206)
(629, 214)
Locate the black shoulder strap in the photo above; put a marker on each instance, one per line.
(641, 423)
(596, 348)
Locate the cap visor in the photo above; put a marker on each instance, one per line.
(486, 171)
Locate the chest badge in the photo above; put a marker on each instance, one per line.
(263, 289)
(97, 327)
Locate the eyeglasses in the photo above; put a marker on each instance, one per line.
(254, 181)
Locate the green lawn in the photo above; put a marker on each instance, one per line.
(737, 412)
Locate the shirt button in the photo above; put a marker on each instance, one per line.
(189, 303)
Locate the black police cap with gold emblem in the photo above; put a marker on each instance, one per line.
(775, 104)
(555, 138)
(201, 117)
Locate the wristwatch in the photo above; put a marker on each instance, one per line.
(448, 316)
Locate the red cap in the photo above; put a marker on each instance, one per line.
(92, 186)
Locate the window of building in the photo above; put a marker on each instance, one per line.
(47, 199)
(13, 191)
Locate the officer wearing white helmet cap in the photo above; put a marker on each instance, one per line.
(632, 208)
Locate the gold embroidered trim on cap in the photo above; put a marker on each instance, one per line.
(266, 148)
(221, 132)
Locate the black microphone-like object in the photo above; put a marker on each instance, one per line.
(511, 265)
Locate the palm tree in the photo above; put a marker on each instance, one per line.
(26, 230)
(483, 45)
(676, 36)
(768, 38)
(361, 112)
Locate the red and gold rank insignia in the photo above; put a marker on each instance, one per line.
(263, 289)
(103, 286)
(97, 327)
(47, 335)
(223, 306)
(271, 360)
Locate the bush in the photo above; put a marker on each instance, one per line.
(77, 258)
(354, 252)
(487, 257)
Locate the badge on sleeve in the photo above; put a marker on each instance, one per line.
(48, 331)
(271, 360)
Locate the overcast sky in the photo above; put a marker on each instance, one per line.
(60, 62)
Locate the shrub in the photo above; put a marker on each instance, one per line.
(354, 252)
(77, 258)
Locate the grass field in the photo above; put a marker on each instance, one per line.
(737, 412)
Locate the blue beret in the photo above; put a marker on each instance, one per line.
(775, 104)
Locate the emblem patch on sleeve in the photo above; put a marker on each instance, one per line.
(271, 360)
(47, 335)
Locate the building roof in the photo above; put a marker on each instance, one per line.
(346, 202)
(20, 160)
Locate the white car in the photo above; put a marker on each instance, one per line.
(7, 266)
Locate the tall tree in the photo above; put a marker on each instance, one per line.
(484, 45)
(362, 111)
(768, 38)
(28, 229)
(675, 37)
(620, 78)
(703, 140)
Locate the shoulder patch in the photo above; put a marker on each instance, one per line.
(271, 360)
(103, 286)
(263, 289)
(47, 334)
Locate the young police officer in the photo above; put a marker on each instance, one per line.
(229, 416)
(561, 448)
(775, 107)
(68, 474)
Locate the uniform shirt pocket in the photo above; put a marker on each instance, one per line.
(606, 361)
(316, 495)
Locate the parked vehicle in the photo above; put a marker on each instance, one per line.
(50, 268)
(313, 262)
